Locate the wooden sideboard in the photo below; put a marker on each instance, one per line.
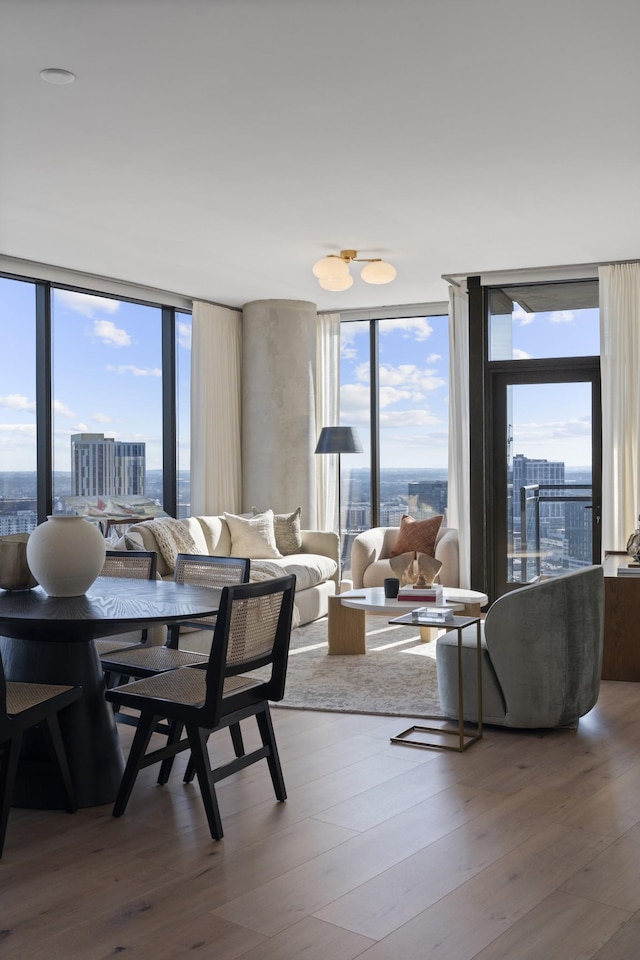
(621, 655)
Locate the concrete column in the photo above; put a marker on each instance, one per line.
(279, 407)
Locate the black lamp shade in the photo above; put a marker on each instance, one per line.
(338, 440)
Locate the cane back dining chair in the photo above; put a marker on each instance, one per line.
(252, 631)
(24, 706)
(202, 570)
(134, 565)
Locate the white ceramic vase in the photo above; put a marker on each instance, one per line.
(65, 555)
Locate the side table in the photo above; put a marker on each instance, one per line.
(465, 737)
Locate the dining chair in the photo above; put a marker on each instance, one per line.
(194, 568)
(134, 565)
(253, 629)
(136, 662)
(22, 707)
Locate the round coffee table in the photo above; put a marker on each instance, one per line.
(347, 613)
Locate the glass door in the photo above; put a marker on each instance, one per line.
(547, 474)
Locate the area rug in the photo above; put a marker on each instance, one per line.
(396, 676)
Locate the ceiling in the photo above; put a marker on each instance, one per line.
(218, 148)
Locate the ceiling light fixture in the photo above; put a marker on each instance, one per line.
(333, 271)
(57, 75)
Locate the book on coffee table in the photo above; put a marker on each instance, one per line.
(426, 594)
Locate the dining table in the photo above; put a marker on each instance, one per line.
(46, 639)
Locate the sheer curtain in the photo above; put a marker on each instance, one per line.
(327, 415)
(458, 492)
(620, 377)
(216, 471)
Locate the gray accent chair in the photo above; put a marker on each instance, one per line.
(541, 655)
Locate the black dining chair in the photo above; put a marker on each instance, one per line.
(121, 665)
(203, 571)
(22, 707)
(252, 632)
(133, 565)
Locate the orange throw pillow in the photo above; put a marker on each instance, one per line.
(417, 535)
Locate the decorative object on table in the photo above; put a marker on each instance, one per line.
(633, 543)
(66, 554)
(14, 569)
(391, 587)
(402, 568)
(428, 569)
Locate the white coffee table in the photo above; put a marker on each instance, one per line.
(347, 613)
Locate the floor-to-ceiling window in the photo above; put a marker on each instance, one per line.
(183, 421)
(394, 388)
(86, 379)
(18, 449)
(538, 494)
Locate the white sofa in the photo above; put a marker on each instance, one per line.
(316, 568)
(371, 549)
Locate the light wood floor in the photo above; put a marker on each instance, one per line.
(526, 847)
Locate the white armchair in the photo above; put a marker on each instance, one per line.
(370, 556)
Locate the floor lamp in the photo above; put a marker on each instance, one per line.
(338, 440)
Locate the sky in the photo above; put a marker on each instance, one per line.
(107, 374)
(107, 379)
(549, 421)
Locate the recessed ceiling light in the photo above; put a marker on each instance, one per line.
(56, 75)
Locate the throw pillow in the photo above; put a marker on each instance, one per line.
(254, 538)
(286, 527)
(419, 536)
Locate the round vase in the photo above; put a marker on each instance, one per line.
(14, 570)
(65, 555)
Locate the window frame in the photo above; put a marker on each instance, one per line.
(44, 289)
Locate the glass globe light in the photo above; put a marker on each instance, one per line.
(330, 268)
(378, 271)
(339, 283)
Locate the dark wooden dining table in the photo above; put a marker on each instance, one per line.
(47, 639)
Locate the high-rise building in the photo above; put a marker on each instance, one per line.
(104, 467)
(428, 498)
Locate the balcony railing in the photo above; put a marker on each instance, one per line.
(550, 540)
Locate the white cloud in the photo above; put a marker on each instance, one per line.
(101, 418)
(408, 418)
(106, 330)
(408, 373)
(62, 409)
(418, 327)
(562, 316)
(552, 432)
(16, 401)
(348, 334)
(28, 429)
(362, 372)
(521, 316)
(520, 354)
(434, 358)
(391, 395)
(184, 334)
(354, 403)
(87, 304)
(136, 371)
